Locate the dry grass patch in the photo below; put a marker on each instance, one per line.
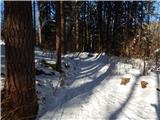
(125, 81)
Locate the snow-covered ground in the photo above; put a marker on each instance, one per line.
(92, 89)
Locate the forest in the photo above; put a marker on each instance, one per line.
(80, 60)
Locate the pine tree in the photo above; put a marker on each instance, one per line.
(59, 32)
(39, 23)
(20, 100)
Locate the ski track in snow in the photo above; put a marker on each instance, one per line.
(96, 94)
(94, 91)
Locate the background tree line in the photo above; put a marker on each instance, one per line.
(123, 28)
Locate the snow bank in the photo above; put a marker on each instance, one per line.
(92, 89)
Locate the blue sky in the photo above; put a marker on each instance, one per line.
(157, 10)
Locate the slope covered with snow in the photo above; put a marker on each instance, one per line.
(92, 90)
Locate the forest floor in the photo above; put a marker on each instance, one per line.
(92, 89)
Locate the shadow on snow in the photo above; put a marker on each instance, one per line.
(86, 88)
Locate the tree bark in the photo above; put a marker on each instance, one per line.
(77, 32)
(77, 27)
(20, 100)
(59, 32)
(65, 43)
(34, 18)
(99, 7)
(39, 24)
(108, 26)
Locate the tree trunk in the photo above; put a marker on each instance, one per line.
(99, 7)
(20, 100)
(65, 43)
(34, 9)
(77, 27)
(59, 32)
(108, 24)
(39, 24)
(77, 32)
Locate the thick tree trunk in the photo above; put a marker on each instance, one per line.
(20, 100)
(59, 33)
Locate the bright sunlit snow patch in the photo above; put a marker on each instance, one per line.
(134, 71)
(96, 92)
(2, 42)
(92, 89)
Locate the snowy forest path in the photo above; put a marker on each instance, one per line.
(96, 94)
